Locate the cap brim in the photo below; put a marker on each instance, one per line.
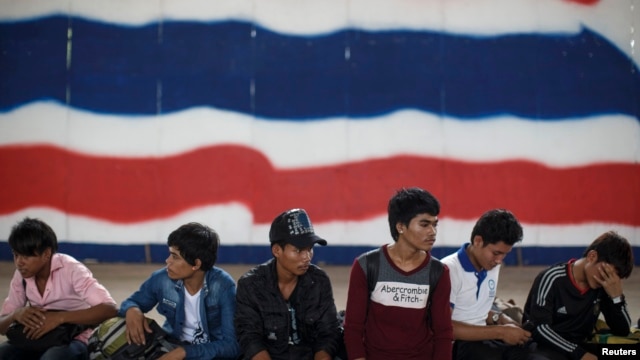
(306, 241)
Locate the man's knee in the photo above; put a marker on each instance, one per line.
(475, 350)
(77, 350)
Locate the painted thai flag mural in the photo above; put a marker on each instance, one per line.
(121, 120)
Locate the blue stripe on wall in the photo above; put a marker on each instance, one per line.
(160, 69)
(331, 255)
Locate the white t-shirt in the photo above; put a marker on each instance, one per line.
(472, 292)
(192, 330)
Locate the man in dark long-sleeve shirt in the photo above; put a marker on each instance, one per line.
(566, 299)
(285, 307)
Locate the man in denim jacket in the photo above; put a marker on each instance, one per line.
(286, 308)
(196, 298)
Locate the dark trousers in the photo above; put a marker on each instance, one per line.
(488, 350)
(77, 350)
(549, 353)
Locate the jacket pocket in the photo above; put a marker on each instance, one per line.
(168, 308)
(276, 328)
(310, 323)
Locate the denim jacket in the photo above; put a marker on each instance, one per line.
(217, 309)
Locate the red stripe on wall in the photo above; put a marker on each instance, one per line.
(129, 190)
(584, 2)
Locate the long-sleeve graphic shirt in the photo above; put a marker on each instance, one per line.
(393, 323)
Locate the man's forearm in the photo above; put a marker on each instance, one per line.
(468, 332)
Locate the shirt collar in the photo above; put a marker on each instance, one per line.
(466, 263)
(56, 262)
(179, 285)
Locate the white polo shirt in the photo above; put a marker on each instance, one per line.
(472, 292)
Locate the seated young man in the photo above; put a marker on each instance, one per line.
(479, 332)
(196, 298)
(46, 280)
(286, 308)
(566, 299)
(401, 311)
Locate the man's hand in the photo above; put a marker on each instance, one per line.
(52, 319)
(136, 326)
(29, 316)
(609, 279)
(589, 356)
(514, 335)
(321, 355)
(262, 355)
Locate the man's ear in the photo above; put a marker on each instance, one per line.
(592, 256)
(477, 241)
(46, 253)
(197, 265)
(276, 250)
(400, 227)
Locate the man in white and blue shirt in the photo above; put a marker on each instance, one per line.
(479, 332)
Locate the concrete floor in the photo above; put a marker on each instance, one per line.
(123, 279)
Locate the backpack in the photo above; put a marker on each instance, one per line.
(109, 342)
(435, 271)
(602, 335)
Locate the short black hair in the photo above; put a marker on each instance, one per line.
(407, 204)
(31, 237)
(196, 241)
(615, 250)
(497, 225)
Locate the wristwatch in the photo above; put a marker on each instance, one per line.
(495, 317)
(618, 299)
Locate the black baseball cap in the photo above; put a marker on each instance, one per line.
(294, 227)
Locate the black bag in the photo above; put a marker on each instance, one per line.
(61, 335)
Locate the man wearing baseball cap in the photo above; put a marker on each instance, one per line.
(285, 307)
